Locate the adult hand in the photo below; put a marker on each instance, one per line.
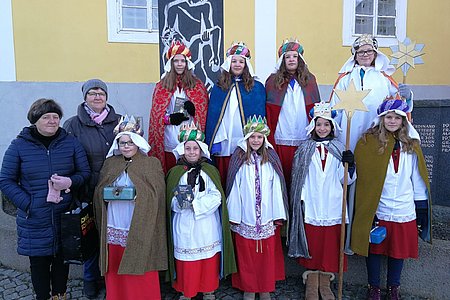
(189, 107)
(348, 157)
(53, 194)
(61, 182)
(404, 91)
(177, 118)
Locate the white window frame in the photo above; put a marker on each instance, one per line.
(7, 52)
(118, 35)
(348, 24)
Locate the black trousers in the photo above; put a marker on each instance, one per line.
(48, 274)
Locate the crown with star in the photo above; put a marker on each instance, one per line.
(190, 132)
(256, 124)
(322, 109)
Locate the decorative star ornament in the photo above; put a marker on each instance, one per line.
(406, 55)
(351, 99)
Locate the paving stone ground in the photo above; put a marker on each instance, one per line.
(17, 285)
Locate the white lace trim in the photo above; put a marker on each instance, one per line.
(397, 219)
(203, 249)
(250, 232)
(330, 222)
(117, 236)
(287, 142)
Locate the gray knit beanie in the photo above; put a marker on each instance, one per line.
(94, 84)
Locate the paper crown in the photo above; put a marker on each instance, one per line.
(190, 132)
(256, 124)
(178, 47)
(129, 124)
(392, 105)
(365, 39)
(239, 48)
(290, 45)
(322, 109)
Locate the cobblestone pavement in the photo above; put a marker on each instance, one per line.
(17, 285)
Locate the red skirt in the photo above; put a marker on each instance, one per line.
(170, 160)
(119, 287)
(286, 154)
(401, 240)
(323, 246)
(198, 276)
(222, 163)
(260, 263)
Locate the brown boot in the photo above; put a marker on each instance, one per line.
(311, 279)
(325, 279)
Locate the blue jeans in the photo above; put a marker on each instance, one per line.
(373, 264)
(91, 268)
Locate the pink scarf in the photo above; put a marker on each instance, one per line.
(97, 117)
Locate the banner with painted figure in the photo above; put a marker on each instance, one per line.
(199, 25)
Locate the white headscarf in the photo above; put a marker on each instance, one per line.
(179, 149)
(138, 140)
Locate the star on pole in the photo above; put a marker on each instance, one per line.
(406, 55)
(351, 99)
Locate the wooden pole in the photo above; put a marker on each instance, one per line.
(344, 209)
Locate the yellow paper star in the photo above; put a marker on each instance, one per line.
(351, 99)
(406, 54)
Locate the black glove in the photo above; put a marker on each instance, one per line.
(348, 157)
(189, 107)
(422, 218)
(177, 118)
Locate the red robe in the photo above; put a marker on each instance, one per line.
(160, 101)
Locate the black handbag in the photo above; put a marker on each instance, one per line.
(79, 236)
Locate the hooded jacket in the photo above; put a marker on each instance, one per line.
(27, 167)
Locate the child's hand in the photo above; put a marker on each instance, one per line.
(348, 157)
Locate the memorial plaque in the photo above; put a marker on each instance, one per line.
(432, 120)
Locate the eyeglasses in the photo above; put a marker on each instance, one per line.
(128, 143)
(367, 52)
(94, 94)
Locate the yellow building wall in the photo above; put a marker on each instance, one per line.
(68, 41)
(318, 26)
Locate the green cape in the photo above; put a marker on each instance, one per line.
(228, 263)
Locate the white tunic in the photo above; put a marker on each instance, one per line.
(197, 232)
(230, 129)
(380, 86)
(401, 189)
(322, 191)
(119, 215)
(241, 201)
(171, 131)
(292, 120)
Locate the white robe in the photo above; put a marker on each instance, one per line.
(230, 131)
(322, 191)
(241, 201)
(197, 232)
(380, 86)
(401, 189)
(292, 120)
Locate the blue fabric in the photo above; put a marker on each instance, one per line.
(395, 267)
(373, 264)
(253, 103)
(26, 168)
(292, 83)
(91, 268)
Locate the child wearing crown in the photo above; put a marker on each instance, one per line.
(178, 98)
(257, 206)
(316, 202)
(393, 190)
(129, 259)
(291, 93)
(200, 246)
(234, 98)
